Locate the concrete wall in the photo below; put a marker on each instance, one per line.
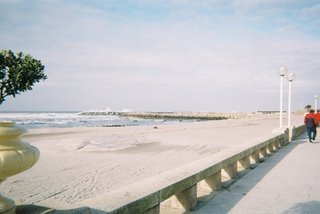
(145, 197)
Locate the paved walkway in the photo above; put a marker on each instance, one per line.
(286, 182)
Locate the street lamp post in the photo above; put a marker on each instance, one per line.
(315, 103)
(290, 79)
(282, 72)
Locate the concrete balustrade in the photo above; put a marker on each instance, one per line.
(295, 132)
(180, 185)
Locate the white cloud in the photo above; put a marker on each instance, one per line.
(96, 58)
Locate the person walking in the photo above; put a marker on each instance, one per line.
(317, 118)
(309, 121)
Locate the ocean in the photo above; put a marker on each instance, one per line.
(30, 120)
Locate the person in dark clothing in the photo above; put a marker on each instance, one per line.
(311, 126)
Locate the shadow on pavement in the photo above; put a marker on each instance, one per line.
(35, 209)
(304, 207)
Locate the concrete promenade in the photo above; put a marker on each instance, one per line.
(286, 182)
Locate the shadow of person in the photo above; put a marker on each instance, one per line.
(304, 207)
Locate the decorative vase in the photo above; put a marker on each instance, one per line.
(15, 157)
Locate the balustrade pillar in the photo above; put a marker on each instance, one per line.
(188, 198)
(256, 157)
(231, 170)
(270, 148)
(245, 162)
(214, 181)
(264, 152)
(277, 145)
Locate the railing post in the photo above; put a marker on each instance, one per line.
(276, 145)
(286, 137)
(245, 162)
(214, 181)
(255, 156)
(290, 134)
(270, 148)
(188, 198)
(263, 152)
(231, 170)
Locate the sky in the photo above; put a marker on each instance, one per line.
(165, 55)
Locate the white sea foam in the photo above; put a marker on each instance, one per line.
(70, 119)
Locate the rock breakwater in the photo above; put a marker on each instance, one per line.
(174, 115)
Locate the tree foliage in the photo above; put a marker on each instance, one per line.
(18, 73)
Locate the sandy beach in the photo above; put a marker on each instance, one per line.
(77, 164)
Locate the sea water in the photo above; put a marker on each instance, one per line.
(72, 119)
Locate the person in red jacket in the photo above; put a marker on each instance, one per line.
(311, 126)
(317, 118)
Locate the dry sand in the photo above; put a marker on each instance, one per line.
(77, 164)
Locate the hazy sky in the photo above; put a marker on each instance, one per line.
(165, 55)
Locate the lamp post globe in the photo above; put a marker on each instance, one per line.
(283, 71)
(291, 77)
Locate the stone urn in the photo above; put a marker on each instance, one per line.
(15, 157)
